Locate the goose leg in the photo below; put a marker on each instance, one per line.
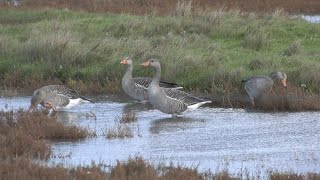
(49, 105)
(252, 101)
(174, 115)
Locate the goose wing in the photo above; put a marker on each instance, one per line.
(256, 86)
(182, 96)
(62, 91)
(145, 82)
(58, 95)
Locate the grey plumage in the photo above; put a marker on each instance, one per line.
(137, 87)
(257, 86)
(57, 96)
(170, 101)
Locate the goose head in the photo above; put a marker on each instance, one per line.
(126, 61)
(35, 100)
(279, 76)
(153, 63)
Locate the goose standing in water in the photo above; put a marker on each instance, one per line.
(257, 86)
(56, 97)
(170, 101)
(137, 87)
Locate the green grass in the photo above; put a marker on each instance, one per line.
(196, 51)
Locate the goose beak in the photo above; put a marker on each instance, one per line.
(145, 64)
(284, 82)
(124, 61)
(31, 108)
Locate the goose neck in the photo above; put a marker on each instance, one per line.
(128, 72)
(156, 75)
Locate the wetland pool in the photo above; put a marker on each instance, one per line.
(208, 138)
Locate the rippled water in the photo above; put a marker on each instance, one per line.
(212, 138)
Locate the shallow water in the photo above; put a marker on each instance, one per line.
(215, 138)
(312, 19)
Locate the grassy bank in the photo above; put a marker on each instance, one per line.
(204, 51)
(165, 7)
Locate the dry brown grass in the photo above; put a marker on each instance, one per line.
(22, 134)
(16, 83)
(293, 176)
(128, 117)
(138, 168)
(119, 131)
(292, 98)
(170, 6)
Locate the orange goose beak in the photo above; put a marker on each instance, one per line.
(124, 61)
(284, 82)
(145, 64)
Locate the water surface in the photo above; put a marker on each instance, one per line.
(210, 138)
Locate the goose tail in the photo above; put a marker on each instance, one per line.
(195, 106)
(84, 99)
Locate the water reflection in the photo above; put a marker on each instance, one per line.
(72, 117)
(285, 141)
(173, 124)
(67, 117)
(136, 107)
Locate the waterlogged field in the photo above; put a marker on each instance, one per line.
(241, 141)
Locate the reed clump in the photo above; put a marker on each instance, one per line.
(128, 117)
(119, 130)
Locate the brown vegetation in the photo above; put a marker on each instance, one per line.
(291, 98)
(167, 7)
(23, 134)
(128, 117)
(17, 84)
(119, 131)
(292, 176)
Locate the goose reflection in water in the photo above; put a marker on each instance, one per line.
(136, 107)
(175, 124)
(68, 117)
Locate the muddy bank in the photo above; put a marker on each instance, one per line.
(279, 99)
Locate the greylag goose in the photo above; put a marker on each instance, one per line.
(257, 86)
(137, 87)
(56, 97)
(170, 101)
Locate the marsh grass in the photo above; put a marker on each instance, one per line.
(199, 48)
(119, 130)
(293, 176)
(166, 7)
(128, 117)
(255, 39)
(9, 92)
(23, 133)
(293, 49)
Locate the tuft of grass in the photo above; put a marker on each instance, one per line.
(119, 131)
(293, 49)
(255, 39)
(24, 133)
(128, 117)
(294, 176)
(183, 9)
